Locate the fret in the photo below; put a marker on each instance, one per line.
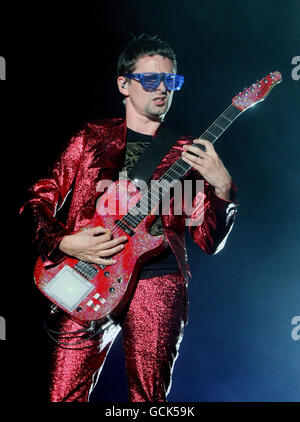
(231, 113)
(224, 121)
(220, 127)
(207, 133)
(216, 130)
(223, 115)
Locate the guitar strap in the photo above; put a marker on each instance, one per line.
(153, 155)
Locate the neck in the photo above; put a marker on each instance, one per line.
(145, 127)
(142, 124)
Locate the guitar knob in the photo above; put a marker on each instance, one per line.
(106, 273)
(53, 309)
(112, 289)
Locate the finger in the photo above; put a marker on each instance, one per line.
(193, 158)
(109, 243)
(193, 150)
(103, 261)
(99, 230)
(111, 251)
(194, 162)
(201, 148)
(96, 259)
(207, 144)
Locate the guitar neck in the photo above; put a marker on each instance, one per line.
(178, 170)
(222, 123)
(215, 130)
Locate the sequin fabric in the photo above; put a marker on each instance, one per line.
(152, 327)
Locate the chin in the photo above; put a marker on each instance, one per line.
(159, 113)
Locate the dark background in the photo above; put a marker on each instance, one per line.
(61, 61)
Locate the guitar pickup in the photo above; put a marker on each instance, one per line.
(86, 269)
(124, 227)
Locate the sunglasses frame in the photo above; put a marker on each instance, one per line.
(167, 78)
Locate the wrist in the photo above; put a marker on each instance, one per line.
(62, 245)
(224, 191)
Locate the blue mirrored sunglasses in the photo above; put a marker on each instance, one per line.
(150, 81)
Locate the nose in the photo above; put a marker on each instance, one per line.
(162, 87)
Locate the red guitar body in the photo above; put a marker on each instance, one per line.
(84, 290)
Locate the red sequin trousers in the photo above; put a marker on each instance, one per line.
(152, 332)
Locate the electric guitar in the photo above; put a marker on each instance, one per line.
(90, 292)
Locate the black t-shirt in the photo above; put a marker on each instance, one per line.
(164, 263)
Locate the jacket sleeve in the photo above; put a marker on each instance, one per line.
(211, 218)
(47, 195)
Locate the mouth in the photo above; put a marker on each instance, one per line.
(160, 101)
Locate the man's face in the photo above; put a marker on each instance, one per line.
(151, 104)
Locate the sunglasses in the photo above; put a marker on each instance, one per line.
(150, 81)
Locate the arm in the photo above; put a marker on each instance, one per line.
(48, 195)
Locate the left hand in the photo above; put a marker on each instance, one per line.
(210, 166)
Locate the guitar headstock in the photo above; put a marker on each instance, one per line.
(256, 92)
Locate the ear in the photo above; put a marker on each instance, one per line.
(122, 85)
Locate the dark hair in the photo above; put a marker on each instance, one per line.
(143, 45)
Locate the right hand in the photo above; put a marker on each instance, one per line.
(93, 245)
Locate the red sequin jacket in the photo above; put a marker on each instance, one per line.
(97, 152)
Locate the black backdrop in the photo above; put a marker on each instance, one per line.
(61, 61)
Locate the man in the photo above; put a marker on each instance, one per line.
(154, 318)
